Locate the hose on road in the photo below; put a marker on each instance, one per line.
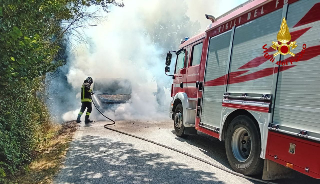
(178, 151)
(104, 115)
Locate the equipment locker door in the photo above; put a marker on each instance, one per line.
(215, 68)
(297, 105)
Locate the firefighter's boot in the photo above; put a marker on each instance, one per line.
(78, 118)
(87, 120)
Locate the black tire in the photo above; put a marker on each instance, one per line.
(179, 127)
(243, 146)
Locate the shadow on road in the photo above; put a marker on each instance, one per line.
(215, 149)
(93, 159)
(210, 146)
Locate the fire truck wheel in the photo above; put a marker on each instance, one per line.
(243, 146)
(178, 123)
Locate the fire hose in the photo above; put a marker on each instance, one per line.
(176, 150)
(103, 114)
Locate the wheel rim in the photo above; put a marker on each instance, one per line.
(241, 144)
(178, 120)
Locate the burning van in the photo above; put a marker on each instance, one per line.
(111, 92)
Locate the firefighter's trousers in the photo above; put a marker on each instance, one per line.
(85, 105)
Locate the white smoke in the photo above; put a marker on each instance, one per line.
(132, 44)
(197, 9)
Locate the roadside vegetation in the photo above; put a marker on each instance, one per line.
(32, 44)
(48, 158)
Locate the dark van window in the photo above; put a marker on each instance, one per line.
(196, 54)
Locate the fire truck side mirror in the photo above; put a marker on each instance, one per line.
(168, 59)
(167, 69)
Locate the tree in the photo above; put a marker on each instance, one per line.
(31, 33)
(31, 37)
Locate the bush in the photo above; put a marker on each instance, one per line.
(24, 120)
(29, 47)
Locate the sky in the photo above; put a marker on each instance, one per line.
(197, 9)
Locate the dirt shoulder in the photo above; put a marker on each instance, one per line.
(49, 159)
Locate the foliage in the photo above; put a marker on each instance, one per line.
(31, 37)
(30, 34)
(23, 123)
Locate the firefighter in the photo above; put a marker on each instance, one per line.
(86, 100)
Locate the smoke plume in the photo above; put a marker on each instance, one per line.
(131, 44)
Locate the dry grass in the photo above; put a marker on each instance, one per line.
(49, 158)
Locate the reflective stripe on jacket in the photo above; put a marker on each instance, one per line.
(86, 93)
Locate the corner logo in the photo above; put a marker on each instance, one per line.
(284, 37)
(283, 46)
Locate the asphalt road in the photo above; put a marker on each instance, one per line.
(98, 155)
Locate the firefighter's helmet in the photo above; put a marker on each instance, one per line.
(89, 80)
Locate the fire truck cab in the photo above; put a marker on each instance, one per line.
(185, 80)
(252, 80)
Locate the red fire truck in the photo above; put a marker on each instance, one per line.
(252, 80)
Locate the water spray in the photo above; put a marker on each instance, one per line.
(101, 112)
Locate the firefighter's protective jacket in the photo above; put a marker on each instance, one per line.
(86, 93)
